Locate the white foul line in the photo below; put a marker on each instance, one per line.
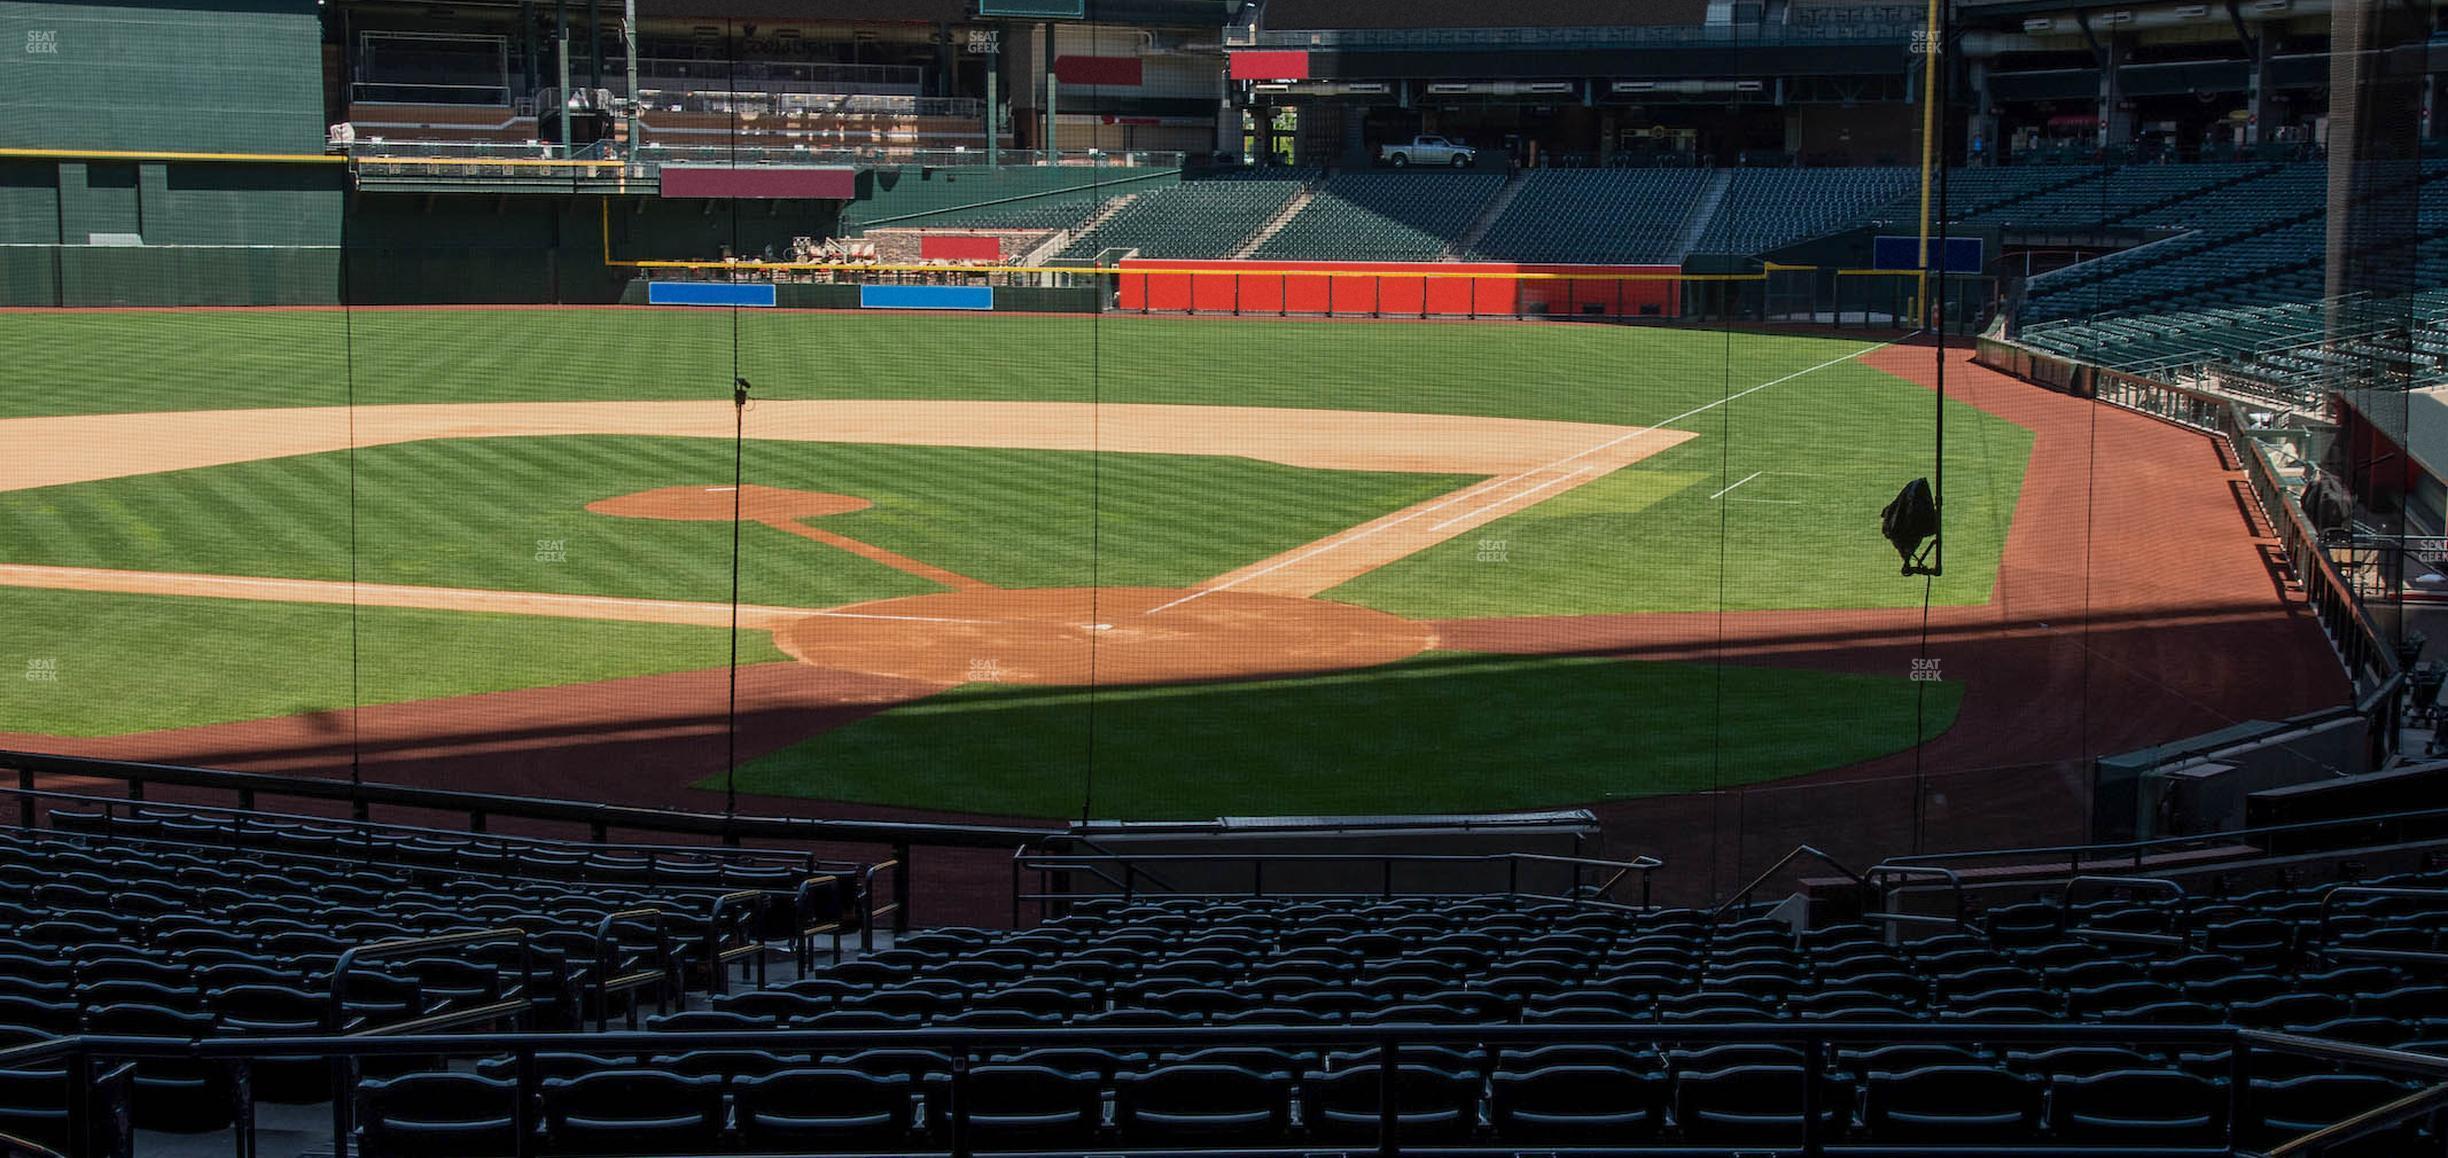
(1510, 499)
(919, 618)
(1469, 491)
(1730, 490)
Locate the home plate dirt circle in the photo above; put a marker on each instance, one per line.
(713, 504)
(1113, 635)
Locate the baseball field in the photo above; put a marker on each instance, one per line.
(1000, 565)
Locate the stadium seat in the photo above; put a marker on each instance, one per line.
(1951, 1104)
(1025, 1106)
(437, 1115)
(1755, 1105)
(1578, 1105)
(2138, 1107)
(1203, 1104)
(1432, 1104)
(825, 1109)
(633, 1112)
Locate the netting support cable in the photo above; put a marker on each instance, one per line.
(739, 479)
(348, 361)
(1936, 91)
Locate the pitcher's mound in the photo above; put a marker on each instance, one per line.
(1113, 635)
(713, 504)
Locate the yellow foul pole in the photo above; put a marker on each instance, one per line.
(1930, 153)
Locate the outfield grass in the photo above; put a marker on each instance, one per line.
(83, 363)
(132, 663)
(1765, 510)
(1442, 733)
(470, 513)
(1835, 442)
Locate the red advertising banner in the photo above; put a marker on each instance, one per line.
(834, 183)
(959, 247)
(1400, 289)
(1293, 65)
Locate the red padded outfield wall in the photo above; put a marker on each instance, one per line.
(1400, 289)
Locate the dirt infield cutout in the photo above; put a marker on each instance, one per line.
(1074, 636)
(776, 507)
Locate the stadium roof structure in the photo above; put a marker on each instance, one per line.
(1200, 13)
(1326, 14)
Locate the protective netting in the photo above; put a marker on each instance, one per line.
(843, 437)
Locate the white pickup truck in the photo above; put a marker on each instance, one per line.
(1428, 151)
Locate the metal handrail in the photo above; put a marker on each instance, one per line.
(451, 873)
(600, 817)
(718, 958)
(2362, 1125)
(2156, 884)
(1094, 863)
(2328, 902)
(1743, 895)
(1887, 893)
(12, 1144)
(806, 926)
(607, 982)
(874, 911)
(2135, 851)
(343, 1068)
(245, 815)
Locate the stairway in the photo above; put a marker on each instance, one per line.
(1703, 211)
(1274, 225)
(1478, 230)
(1061, 240)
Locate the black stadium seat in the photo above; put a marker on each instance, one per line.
(1578, 1105)
(437, 1115)
(632, 1112)
(1951, 1104)
(825, 1109)
(2139, 1107)
(1029, 1106)
(1203, 1104)
(1755, 1105)
(1432, 1104)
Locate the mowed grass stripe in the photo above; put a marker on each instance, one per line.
(472, 512)
(130, 663)
(1442, 733)
(1607, 374)
(1803, 534)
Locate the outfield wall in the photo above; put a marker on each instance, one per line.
(1399, 289)
(854, 296)
(109, 233)
(101, 231)
(241, 76)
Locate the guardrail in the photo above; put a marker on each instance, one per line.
(647, 160)
(1128, 874)
(2380, 829)
(2369, 658)
(247, 826)
(902, 838)
(1603, 36)
(1815, 1040)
